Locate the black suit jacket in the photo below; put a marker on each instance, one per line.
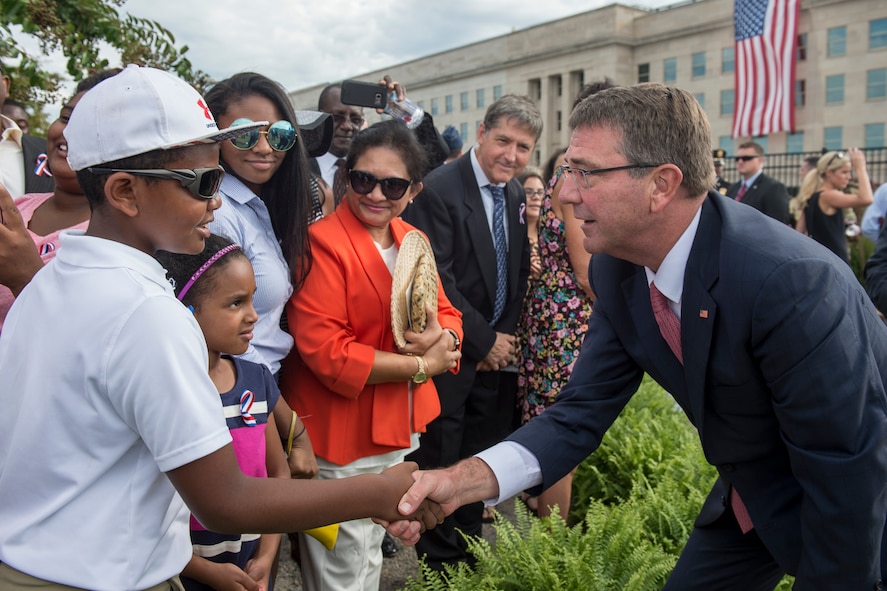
(32, 147)
(785, 365)
(450, 211)
(767, 195)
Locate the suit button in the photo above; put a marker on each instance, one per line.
(727, 467)
(723, 500)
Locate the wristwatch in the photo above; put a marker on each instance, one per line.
(458, 343)
(420, 376)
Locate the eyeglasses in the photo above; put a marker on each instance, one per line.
(531, 192)
(281, 136)
(203, 183)
(580, 176)
(745, 158)
(354, 121)
(363, 183)
(833, 158)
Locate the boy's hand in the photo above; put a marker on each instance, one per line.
(427, 514)
(259, 572)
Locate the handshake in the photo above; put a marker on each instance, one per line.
(431, 495)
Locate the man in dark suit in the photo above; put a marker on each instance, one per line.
(22, 157)
(766, 341)
(756, 189)
(457, 210)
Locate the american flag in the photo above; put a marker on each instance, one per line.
(766, 35)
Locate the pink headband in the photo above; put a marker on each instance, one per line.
(204, 267)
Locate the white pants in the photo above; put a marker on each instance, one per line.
(355, 564)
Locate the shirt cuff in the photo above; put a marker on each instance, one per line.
(515, 468)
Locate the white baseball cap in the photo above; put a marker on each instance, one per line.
(137, 111)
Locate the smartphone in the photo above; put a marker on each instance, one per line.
(364, 94)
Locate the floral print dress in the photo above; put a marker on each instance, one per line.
(553, 321)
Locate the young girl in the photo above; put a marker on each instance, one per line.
(218, 286)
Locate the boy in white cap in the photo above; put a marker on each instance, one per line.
(110, 414)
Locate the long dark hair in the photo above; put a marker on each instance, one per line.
(287, 195)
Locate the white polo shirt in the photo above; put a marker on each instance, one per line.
(104, 388)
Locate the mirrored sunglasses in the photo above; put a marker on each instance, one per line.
(203, 183)
(281, 136)
(363, 183)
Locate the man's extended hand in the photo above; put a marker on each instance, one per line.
(466, 482)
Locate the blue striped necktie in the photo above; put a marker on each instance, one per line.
(501, 251)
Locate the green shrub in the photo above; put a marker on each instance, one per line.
(635, 500)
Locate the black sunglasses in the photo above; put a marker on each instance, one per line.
(203, 183)
(745, 158)
(281, 136)
(363, 183)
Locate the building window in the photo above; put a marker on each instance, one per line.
(643, 73)
(833, 138)
(448, 100)
(794, 142)
(876, 84)
(800, 93)
(837, 41)
(559, 120)
(421, 105)
(463, 101)
(834, 89)
(725, 142)
(463, 130)
(874, 135)
(878, 33)
(578, 78)
(728, 60)
(700, 98)
(433, 106)
(497, 92)
(726, 103)
(670, 69)
(699, 64)
(555, 86)
(802, 47)
(481, 103)
(534, 90)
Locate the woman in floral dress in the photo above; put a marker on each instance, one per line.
(554, 318)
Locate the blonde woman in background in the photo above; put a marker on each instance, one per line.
(822, 200)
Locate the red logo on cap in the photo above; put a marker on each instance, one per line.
(206, 112)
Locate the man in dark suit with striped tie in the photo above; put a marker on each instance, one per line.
(471, 211)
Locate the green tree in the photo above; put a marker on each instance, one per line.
(77, 28)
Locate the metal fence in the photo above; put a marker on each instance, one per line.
(785, 167)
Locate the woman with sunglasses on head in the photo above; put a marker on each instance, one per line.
(822, 198)
(364, 401)
(45, 215)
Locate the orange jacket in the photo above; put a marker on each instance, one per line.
(339, 318)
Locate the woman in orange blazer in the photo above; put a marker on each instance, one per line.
(363, 401)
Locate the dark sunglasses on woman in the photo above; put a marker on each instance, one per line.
(363, 183)
(281, 136)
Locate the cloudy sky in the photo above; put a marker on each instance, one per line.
(301, 43)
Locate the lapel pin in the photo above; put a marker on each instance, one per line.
(703, 313)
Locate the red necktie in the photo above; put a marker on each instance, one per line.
(741, 192)
(669, 323)
(339, 182)
(670, 328)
